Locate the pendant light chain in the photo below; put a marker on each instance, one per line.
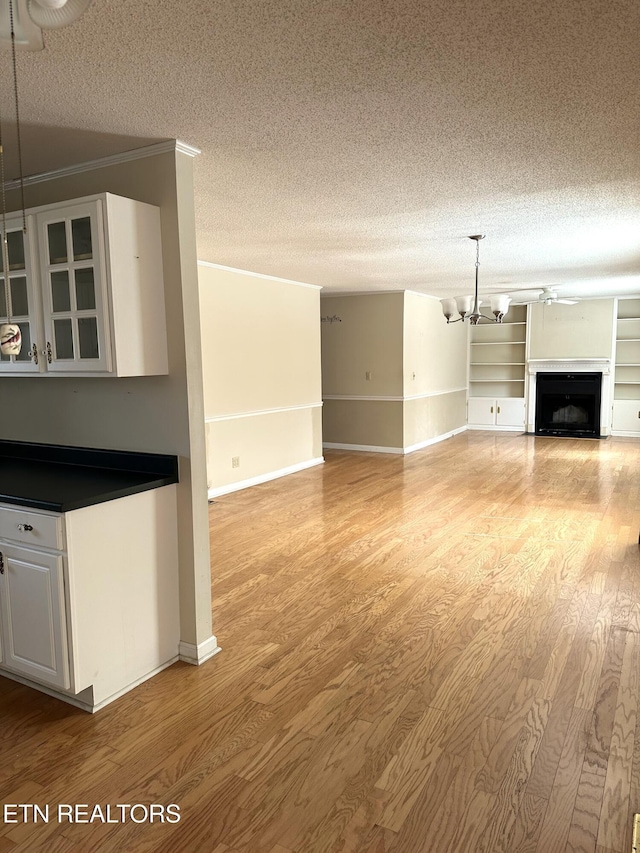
(5, 245)
(15, 91)
(5, 242)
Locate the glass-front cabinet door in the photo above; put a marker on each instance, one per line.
(20, 302)
(74, 289)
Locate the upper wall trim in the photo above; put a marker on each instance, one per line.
(388, 399)
(259, 275)
(111, 160)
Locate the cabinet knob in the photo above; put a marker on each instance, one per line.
(34, 353)
(47, 352)
(26, 527)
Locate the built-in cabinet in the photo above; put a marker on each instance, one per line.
(86, 288)
(626, 393)
(497, 372)
(85, 614)
(504, 412)
(34, 635)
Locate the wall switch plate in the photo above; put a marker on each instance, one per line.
(235, 461)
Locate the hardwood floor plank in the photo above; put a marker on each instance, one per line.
(557, 818)
(491, 776)
(420, 654)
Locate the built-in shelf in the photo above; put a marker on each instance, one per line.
(626, 388)
(497, 366)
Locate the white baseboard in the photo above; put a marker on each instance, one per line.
(623, 433)
(369, 448)
(196, 655)
(413, 447)
(263, 478)
(90, 706)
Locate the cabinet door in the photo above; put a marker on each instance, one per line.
(626, 416)
(510, 412)
(482, 411)
(23, 296)
(34, 632)
(75, 301)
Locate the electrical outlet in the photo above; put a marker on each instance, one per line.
(367, 376)
(235, 461)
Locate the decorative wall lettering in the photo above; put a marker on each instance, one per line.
(333, 319)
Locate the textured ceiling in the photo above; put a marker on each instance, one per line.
(354, 143)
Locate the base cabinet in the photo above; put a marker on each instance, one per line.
(499, 413)
(626, 417)
(89, 601)
(34, 633)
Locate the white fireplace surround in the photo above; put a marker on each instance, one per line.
(570, 365)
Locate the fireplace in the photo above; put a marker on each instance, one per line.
(568, 404)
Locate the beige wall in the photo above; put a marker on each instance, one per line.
(365, 423)
(362, 334)
(261, 374)
(162, 414)
(434, 350)
(411, 352)
(583, 330)
(435, 371)
(426, 418)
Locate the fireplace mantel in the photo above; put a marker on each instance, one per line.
(570, 365)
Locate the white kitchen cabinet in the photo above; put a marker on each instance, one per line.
(94, 290)
(496, 413)
(34, 632)
(89, 604)
(24, 300)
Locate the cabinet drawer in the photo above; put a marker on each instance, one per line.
(32, 528)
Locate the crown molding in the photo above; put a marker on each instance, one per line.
(258, 275)
(334, 294)
(113, 159)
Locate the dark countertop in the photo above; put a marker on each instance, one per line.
(59, 479)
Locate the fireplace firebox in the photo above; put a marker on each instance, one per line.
(568, 404)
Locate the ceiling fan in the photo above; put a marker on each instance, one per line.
(30, 17)
(548, 296)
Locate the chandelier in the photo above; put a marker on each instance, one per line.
(468, 307)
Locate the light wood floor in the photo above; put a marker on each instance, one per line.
(432, 653)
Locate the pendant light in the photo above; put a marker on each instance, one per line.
(469, 306)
